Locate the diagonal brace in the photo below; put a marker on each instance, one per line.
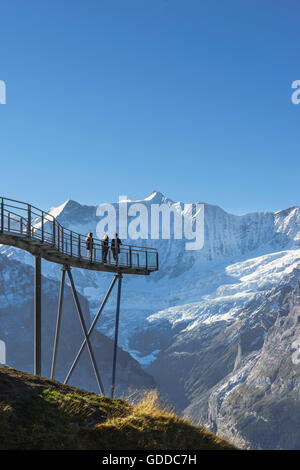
(58, 320)
(91, 328)
(79, 311)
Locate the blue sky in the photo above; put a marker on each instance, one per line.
(188, 97)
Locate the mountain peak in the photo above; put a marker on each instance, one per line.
(68, 204)
(157, 197)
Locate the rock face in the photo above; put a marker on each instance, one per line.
(241, 378)
(16, 329)
(259, 401)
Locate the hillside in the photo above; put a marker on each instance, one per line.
(38, 413)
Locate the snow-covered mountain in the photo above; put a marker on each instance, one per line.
(198, 323)
(241, 256)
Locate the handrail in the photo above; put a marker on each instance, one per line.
(41, 226)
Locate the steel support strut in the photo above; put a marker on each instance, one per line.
(37, 316)
(58, 320)
(91, 327)
(80, 315)
(116, 336)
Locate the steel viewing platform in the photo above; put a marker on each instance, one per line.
(25, 226)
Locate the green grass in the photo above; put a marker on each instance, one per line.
(37, 413)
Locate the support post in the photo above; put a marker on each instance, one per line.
(58, 237)
(37, 316)
(43, 229)
(79, 247)
(80, 315)
(130, 257)
(116, 337)
(2, 215)
(91, 328)
(58, 320)
(53, 232)
(29, 221)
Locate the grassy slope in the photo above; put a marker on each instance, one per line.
(38, 413)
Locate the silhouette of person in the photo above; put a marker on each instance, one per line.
(89, 245)
(105, 242)
(115, 247)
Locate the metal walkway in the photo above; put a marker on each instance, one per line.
(26, 227)
(29, 228)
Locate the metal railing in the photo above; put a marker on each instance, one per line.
(27, 221)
